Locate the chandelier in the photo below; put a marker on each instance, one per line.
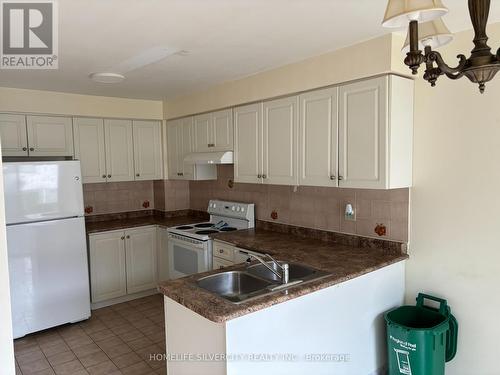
(427, 31)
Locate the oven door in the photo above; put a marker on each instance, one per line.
(187, 256)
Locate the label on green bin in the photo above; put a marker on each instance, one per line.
(403, 354)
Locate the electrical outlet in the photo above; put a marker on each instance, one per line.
(349, 212)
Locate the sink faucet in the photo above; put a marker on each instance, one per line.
(284, 267)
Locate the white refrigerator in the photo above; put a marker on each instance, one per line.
(46, 244)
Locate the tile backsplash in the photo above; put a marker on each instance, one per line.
(112, 197)
(171, 195)
(313, 207)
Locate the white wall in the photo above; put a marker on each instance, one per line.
(361, 60)
(6, 343)
(455, 207)
(37, 101)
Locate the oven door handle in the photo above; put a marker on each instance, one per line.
(197, 244)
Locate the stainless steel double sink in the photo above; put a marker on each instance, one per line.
(256, 281)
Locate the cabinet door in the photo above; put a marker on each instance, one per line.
(147, 150)
(119, 150)
(318, 138)
(186, 142)
(248, 143)
(222, 130)
(219, 263)
(202, 133)
(279, 142)
(13, 135)
(174, 139)
(50, 136)
(362, 134)
(141, 255)
(107, 266)
(89, 148)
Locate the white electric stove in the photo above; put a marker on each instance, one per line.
(190, 246)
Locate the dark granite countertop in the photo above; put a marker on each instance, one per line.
(129, 220)
(343, 261)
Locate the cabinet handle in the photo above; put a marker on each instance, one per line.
(32, 149)
(25, 148)
(332, 177)
(122, 237)
(103, 176)
(128, 236)
(109, 176)
(182, 174)
(137, 174)
(341, 178)
(221, 251)
(259, 176)
(264, 176)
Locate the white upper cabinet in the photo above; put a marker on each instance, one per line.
(147, 150)
(89, 148)
(213, 131)
(179, 144)
(375, 133)
(13, 135)
(202, 133)
(174, 148)
(186, 147)
(222, 131)
(119, 150)
(279, 141)
(141, 259)
(248, 143)
(50, 136)
(318, 127)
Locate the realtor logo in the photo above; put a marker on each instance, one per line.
(29, 37)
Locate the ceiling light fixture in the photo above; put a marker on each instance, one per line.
(480, 67)
(106, 77)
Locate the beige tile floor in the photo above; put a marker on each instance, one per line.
(115, 340)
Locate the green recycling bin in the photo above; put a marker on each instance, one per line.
(420, 339)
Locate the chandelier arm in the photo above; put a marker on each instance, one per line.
(436, 56)
(454, 76)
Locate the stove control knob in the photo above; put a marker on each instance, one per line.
(238, 209)
(233, 208)
(242, 209)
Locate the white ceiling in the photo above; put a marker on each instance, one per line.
(226, 40)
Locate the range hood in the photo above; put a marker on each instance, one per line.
(222, 157)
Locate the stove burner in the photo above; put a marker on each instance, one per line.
(227, 229)
(206, 231)
(204, 225)
(184, 227)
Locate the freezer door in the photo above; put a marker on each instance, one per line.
(49, 283)
(36, 191)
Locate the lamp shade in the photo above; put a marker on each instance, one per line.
(433, 34)
(400, 12)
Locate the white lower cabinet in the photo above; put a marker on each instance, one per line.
(225, 255)
(123, 262)
(141, 258)
(107, 265)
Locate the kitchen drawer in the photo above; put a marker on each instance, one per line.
(224, 251)
(219, 263)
